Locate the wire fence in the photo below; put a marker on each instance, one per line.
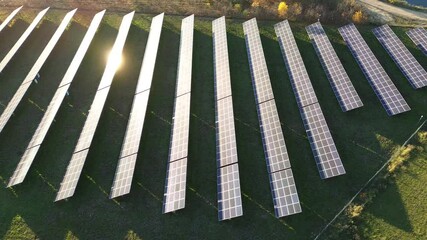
(369, 181)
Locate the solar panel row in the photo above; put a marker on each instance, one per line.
(320, 138)
(419, 37)
(22, 39)
(174, 195)
(229, 194)
(124, 173)
(9, 18)
(407, 63)
(384, 88)
(275, 151)
(75, 167)
(343, 88)
(24, 165)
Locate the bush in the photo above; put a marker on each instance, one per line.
(357, 17)
(355, 210)
(422, 137)
(282, 9)
(403, 155)
(295, 10)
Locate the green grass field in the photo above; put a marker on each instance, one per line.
(28, 210)
(399, 211)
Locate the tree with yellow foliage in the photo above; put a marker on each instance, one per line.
(282, 9)
(357, 17)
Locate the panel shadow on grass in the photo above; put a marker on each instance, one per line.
(20, 65)
(59, 144)
(201, 173)
(21, 127)
(10, 35)
(393, 210)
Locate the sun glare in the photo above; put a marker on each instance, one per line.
(115, 60)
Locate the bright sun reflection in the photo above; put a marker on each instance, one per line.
(114, 60)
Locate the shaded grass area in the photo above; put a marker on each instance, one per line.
(360, 136)
(399, 211)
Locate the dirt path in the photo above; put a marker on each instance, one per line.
(388, 10)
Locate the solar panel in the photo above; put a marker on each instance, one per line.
(22, 39)
(9, 18)
(16, 99)
(221, 61)
(384, 88)
(409, 66)
(23, 167)
(285, 195)
(185, 56)
(180, 128)
(275, 151)
(176, 177)
(126, 166)
(150, 54)
(229, 196)
(174, 195)
(344, 90)
(419, 37)
(272, 135)
(225, 133)
(123, 176)
(72, 175)
(75, 167)
(257, 64)
(322, 144)
(303, 91)
(135, 125)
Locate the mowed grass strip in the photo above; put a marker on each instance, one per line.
(360, 136)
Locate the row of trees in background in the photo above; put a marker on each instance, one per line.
(308, 10)
(332, 11)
